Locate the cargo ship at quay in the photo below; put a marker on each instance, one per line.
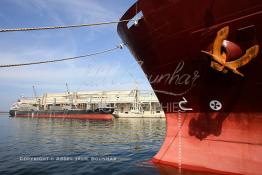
(96, 105)
(97, 114)
(20, 109)
(203, 60)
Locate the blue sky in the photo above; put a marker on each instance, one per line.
(114, 71)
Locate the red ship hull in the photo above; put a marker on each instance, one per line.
(168, 42)
(237, 150)
(72, 116)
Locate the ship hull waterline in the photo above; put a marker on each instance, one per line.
(65, 114)
(72, 116)
(239, 136)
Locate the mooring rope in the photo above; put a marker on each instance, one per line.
(63, 27)
(63, 59)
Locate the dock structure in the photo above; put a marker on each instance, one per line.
(132, 103)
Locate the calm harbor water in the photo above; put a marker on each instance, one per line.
(57, 146)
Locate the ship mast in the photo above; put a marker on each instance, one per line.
(69, 95)
(37, 102)
(136, 105)
(34, 91)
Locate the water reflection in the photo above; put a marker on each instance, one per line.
(131, 143)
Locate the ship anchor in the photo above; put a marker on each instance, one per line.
(219, 58)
